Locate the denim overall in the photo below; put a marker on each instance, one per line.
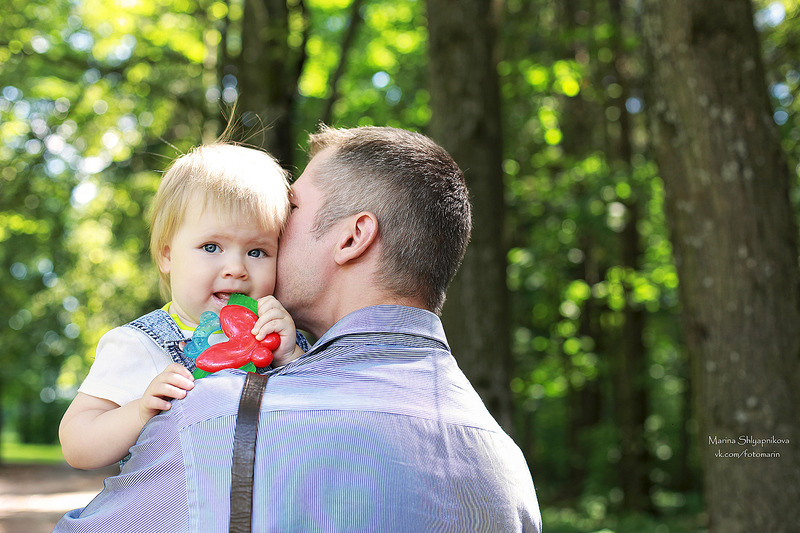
(160, 327)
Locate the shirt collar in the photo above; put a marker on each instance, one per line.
(176, 318)
(386, 319)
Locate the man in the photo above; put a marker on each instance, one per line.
(375, 428)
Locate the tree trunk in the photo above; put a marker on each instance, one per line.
(630, 375)
(268, 77)
(348, 39)
(466, 121)
(631, 396)
(735, 240)
(579, 121)
(585, 405)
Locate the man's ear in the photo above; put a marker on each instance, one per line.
(164, 260)
(356, 237)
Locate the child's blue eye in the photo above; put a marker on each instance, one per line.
(210, 248)
(257, 253)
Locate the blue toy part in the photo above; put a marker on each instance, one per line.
(209, 323)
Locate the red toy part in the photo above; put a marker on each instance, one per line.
(272, 341)
(241, 347)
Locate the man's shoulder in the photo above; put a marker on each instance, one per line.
(212, 396)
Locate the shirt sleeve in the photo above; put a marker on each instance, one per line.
(125, 363)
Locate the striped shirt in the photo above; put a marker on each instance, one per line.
(375, 428)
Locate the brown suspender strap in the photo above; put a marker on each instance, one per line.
(244, 453)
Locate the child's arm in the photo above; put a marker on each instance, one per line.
(95, 432)
(273, 318)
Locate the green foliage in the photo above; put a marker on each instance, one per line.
(573, 194)
(97, 98)
(781, 49)
(86, 117)
(384, 75)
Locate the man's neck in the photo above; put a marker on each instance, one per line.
(350, 302)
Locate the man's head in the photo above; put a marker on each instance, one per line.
(416, 193)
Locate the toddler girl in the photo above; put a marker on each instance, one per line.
(215, 223)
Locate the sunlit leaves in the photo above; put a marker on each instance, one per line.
(383, 78)
(547, 125)
(562, 77)
(16, 224)
(780, 38)
(53, 88)
(314, 82)
(567, 78)
(537, 76)
(217, 11)
(86, 97)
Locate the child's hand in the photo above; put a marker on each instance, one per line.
(273, 318)
(172, 383)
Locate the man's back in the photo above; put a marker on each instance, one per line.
(376, 429)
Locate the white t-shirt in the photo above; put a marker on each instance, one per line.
(125, 363)
(127, 360)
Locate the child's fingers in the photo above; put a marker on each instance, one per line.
(154, 403)
(267, 302)
(258, 325)
(270, 304)
(272, 320)
(176, 375)
(169, 385)
(181, 381)
(167, 390)
(178, 369)
(261, 333)
(271, 327)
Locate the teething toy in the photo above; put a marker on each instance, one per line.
(242, 349)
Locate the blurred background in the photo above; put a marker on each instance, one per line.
(566, 316)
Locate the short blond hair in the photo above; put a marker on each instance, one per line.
(235, 180)
(417, 192)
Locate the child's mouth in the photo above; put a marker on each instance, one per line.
(222, 297)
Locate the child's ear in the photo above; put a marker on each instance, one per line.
(163, 259)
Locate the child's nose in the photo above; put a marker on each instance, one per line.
(235, 268)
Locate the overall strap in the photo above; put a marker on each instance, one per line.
(244, 452)
(162, 329)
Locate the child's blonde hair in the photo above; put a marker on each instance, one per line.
(236, 181)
